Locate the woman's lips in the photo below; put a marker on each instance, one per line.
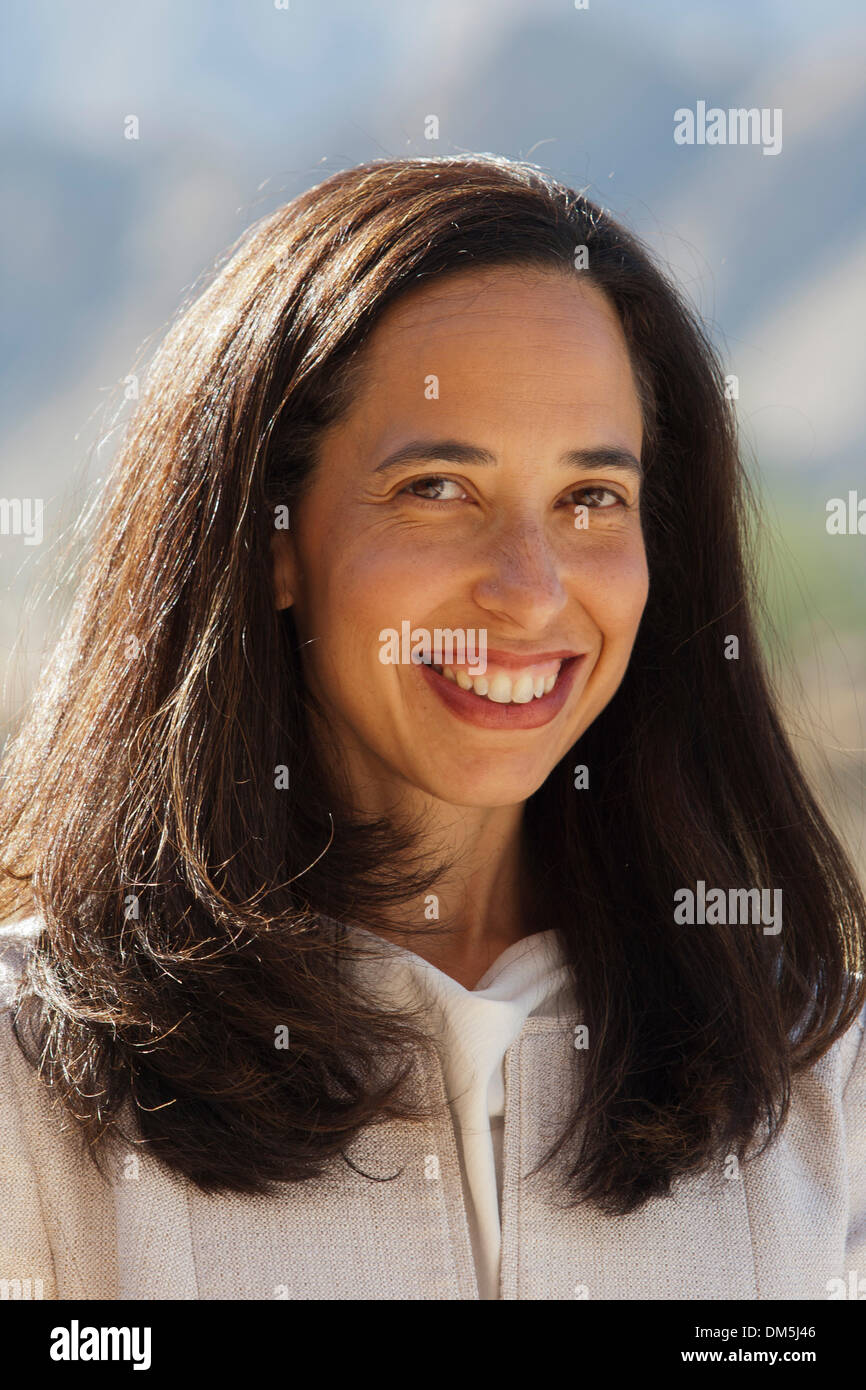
(485, 714)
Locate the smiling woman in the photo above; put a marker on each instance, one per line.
(536, 406)
(368, 968)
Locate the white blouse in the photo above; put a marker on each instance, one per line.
(474, 1029)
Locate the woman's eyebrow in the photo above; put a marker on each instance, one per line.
(453, 451)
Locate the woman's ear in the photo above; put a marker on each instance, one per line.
(285, 569)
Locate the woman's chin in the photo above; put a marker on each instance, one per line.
(485, 786)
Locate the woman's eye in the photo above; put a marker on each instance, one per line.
(588, 497)
(435, 488)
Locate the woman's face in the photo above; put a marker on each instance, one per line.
(529, 547)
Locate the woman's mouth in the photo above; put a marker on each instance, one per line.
(520, 699)
(503, 688)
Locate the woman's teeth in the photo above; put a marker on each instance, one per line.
(504, 689)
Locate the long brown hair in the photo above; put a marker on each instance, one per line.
(187, 904)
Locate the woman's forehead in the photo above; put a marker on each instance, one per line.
(528, 298)
(515, 356)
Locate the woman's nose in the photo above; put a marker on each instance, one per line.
(522, 575)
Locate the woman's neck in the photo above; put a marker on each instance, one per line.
(483, 899)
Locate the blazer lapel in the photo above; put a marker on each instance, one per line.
(692, 1246)
(389, 1225)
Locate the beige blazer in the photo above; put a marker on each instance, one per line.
(791, 1224)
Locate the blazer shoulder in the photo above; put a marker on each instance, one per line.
(16, 940)
(57, 1217)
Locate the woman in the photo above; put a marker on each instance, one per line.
(422, 899)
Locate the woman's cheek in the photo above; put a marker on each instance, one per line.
(613, 584)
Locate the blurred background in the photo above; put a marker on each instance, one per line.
(238, 105)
